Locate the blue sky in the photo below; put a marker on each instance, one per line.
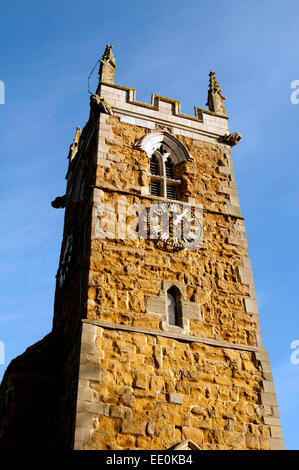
(164, 47)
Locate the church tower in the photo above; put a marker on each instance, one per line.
(156, 341)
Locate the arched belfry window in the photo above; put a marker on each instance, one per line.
(162, 174)
(164, 152)
(174, 306)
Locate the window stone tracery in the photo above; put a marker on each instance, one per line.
(164, 152)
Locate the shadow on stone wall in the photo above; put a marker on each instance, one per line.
(36, 405)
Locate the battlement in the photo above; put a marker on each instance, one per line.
(164, 111)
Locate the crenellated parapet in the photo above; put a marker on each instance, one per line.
(211, 124)
(163, 111)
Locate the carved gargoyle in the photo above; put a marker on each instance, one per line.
(230, 139)
(100, 104)
(59, 202)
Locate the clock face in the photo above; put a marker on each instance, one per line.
(175, 225)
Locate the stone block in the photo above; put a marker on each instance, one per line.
(268, 387)
(158, 355)
(85, 357)
(268, 399)
(135, 426)
(191, 310)
(245, 275)
(235, 211)
(104, 163)
(276, 432)
(267, 376)
(84, 420)
(224, 170)
(90, 371)
(197, 410)
(251, 306)
(78, 445)
(262, 355)
(156, 384)
(82, 434)
(234, 200)
(271, 420)
(175, 398)
(276, 444)
(85, 394)
(141, 381)
(266, 368)
(252, 442)
(88, 329)
(275, 411)
(155, 304)
(98, 408)
(195, 434)
(120, 411)
(89, 348)
(264, 443)
(126, 441)
(233, 240)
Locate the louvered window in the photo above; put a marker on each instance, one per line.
(155, 188)
(154, 165)
(163, 182)
(169, 169)
(171, 192)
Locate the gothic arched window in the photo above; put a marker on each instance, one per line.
(163, 180)
(173, 307)
(164, 152)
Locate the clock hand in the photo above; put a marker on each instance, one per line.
(179, 218)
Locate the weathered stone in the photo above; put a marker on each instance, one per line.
(98, 408)
(141, 381)
(134, 426)
(90, 371)
(175, 398)
(252, 442)
(276, 444)
(150, 428)
(276, 431)
(193, 433)
(135, 376)
(198, 411)
(268, 399)
(271, 420)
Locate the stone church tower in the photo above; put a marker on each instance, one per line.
(156, 340)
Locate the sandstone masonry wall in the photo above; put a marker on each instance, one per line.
(144, 391)
(114, 373)
(144, 384)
